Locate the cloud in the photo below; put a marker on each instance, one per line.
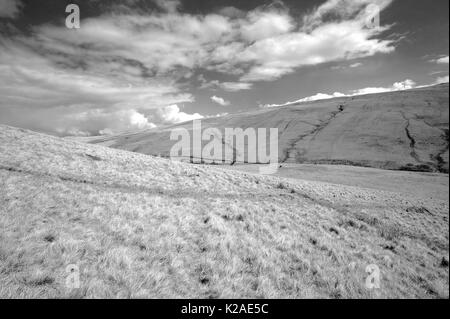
(441, 60)
(219, 101)
(227, 86)
(220, 114)
(355, 65)
(172, 114)
(63, 121)
(321, 96)
(316, 97)
(236, 86)
(262, 25)
(437, 72)
(397, 86)
(350, 66)
(335, 10)
(128, 60)
(315, 42)
(232, 12)
(37, 93)
(442, 79)
(10, 8)
(281, 55)
(267, 43)
(404, 85)
(86, 123)
(168, 5)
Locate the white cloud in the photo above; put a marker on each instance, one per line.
(442, 79)
(371, 90)
(220, 114)
(227, 86)
(219, 101)
(441, 60)
(236, 86)
(266, 43)
(73, 122)
(335, 10)
(404, 85)
(281, 55)
(262, 25)
(397, 86)
(172, 114)
(322, 96)
(130, 61)
(10, 8)
(86, 123)
(316, 97)
(216, 115)
(355, 65)
(37, 94)
(160, 42)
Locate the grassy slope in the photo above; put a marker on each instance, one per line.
(139, 226)
(421, 184)
(398, 130)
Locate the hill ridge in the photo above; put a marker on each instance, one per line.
(402, 130)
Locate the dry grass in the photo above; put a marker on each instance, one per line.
(141, 227)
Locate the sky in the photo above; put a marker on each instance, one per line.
(139, 64)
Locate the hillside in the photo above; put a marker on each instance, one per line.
(404, 130)
(145, 227)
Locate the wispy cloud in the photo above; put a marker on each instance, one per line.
(170, 6)
(236, 86)
(10, 8)
(226, 86)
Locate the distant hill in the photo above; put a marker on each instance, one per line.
(404, 130)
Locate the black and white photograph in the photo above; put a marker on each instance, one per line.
(224, 154)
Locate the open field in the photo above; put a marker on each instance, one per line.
(404, 130)
(145, 227)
